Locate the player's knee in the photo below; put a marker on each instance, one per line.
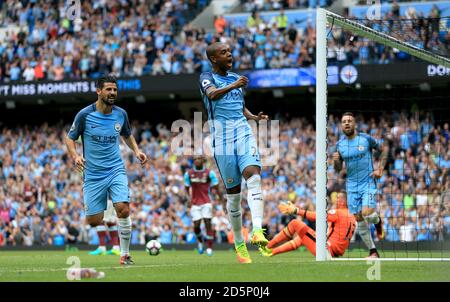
(234, 190)
(123, 211)
(94, 221)
(250, 172)
(197, 228)
(296, 226)
(207, 224)
(367, 211)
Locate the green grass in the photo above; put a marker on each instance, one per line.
(222, 266)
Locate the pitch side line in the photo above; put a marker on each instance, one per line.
(40, 270)
(390, 259)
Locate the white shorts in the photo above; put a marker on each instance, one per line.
(203, 211)
(110, 216)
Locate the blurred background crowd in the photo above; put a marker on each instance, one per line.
(154, 37)
(41, 194)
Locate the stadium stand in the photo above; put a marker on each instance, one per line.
(126, 38)
(41, 201)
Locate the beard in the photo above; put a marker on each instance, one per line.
(349, 132)
(109, 101)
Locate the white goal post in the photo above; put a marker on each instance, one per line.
(321, 110)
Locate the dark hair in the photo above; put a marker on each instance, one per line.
(348, 113)
(211, 49)
(105, 79)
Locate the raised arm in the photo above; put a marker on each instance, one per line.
(214, 93)
(250, 116)
(290, 209)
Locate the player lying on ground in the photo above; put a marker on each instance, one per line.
(341, 225)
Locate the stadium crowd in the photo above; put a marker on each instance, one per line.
(134, 38)
(266, 5)
(41, 194)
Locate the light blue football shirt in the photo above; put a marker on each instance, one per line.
(357, 154)
(100, 134)
(228, 110)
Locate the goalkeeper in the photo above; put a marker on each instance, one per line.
(341, 225)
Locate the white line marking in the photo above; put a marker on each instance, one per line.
(390, 259)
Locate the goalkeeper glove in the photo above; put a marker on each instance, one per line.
(287, 208)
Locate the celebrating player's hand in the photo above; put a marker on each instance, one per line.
(262, 116)
(79, 163)
(336, 156)
(241, 82)
(377, 173)
(142, 157)
(287, 208)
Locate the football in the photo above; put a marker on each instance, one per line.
(153, 247)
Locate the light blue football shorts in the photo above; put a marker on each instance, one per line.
(96, 192)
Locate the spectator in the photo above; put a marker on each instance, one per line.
(219, 24)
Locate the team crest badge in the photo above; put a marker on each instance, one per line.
(230, 180)
(205, 83)
(117, 127)
(361, 148)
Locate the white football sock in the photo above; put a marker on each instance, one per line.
(364, 233)
(372, 218)
(124, 235)
(101, 228)
(255, 201)
(235, 216)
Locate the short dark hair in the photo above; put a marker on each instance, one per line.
(348, 113)
(211, 49)
(105, 79)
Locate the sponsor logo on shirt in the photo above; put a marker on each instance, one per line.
(104, 139)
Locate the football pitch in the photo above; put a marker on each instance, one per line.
(188, 266)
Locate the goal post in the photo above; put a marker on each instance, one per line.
(324, 17)
(321, 134)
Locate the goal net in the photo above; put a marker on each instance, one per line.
(392, 74)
